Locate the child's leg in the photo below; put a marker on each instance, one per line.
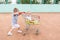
(19, 28)
(10, 32)
(11, 29)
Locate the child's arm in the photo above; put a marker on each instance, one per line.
(21, 13)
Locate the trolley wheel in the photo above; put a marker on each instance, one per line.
(37, 32)
(24, 33)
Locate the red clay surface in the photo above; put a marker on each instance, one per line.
(49, 27)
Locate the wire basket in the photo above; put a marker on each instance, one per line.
(35, 20)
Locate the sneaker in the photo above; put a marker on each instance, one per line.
(9, 34)
(19, 31)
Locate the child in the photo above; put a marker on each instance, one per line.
(31, 19)
(15, 15)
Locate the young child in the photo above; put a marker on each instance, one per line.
(31, 19)
(15, 15)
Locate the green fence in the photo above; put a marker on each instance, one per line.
(32, 1)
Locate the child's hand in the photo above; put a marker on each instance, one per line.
(21, 13)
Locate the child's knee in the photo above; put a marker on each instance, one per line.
(13, 27)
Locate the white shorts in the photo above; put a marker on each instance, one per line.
(15, 25)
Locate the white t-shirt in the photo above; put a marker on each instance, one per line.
(28, 17)
(13, 1)
(14, 18)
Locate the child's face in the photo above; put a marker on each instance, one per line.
(15, 10)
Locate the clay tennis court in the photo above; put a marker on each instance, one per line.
(49, 27)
